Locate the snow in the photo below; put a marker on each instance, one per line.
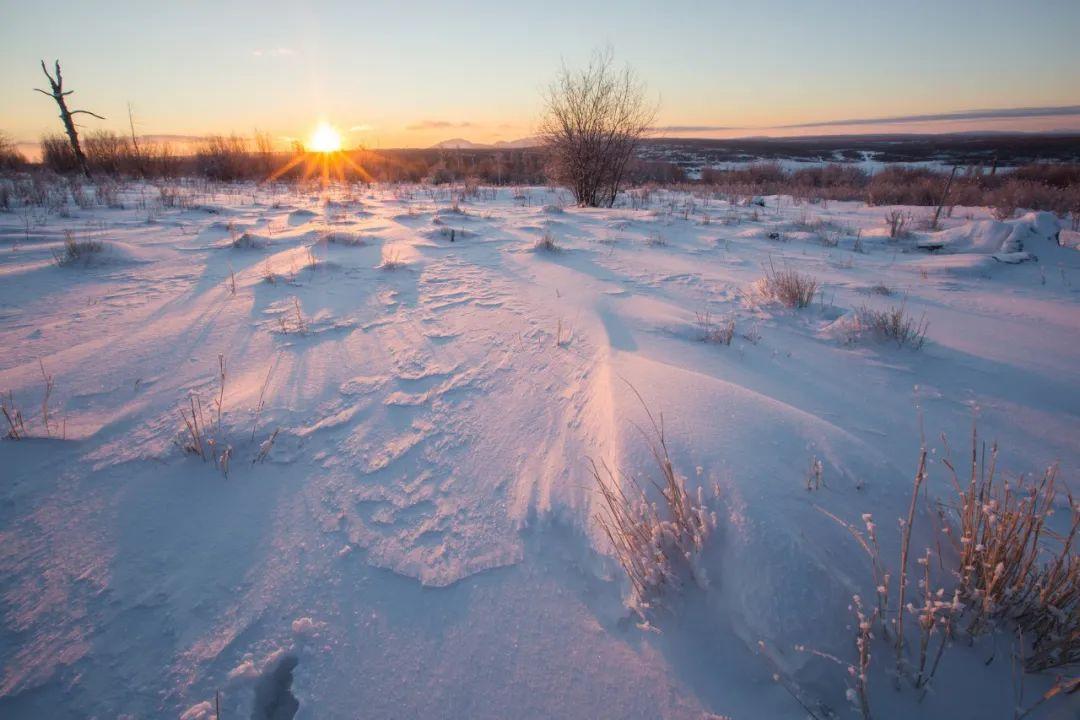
(417, 539)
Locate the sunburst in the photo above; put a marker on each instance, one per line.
(323, 156)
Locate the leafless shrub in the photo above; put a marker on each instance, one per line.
(897, 221)
(593, 121)
(656, 543)
(711, 331)
(10, 157)
(57, 155)
(1004, 207)
(895, 324)
(790, 287)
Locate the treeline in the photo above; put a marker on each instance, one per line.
(1042, 186)
(234, 157)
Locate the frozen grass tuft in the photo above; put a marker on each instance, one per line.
(999, 569)
(895, 324)
(789, 287)
(657, 543)
(247, 241)
(345, 238)
(711, 331)
(546, 243)
(14, 417)
(1011, 566)
(77, 251)
(392, 261)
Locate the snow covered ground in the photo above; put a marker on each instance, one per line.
(412, 394)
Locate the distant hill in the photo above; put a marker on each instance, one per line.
(463, 144)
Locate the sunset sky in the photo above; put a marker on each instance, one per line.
(414, 73)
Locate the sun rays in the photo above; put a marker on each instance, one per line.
(323, 157)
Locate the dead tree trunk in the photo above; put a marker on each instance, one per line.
(58, 94)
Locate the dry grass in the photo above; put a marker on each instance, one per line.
(77, 251)
(392, 261)
(14, 417)
(202, 422)
(711, 331)
(895, 324)
(999, 568)
(789, 287)
(293, 322)
(655, 542)
(345, 238)
(897, 221)
(546, 243)
(1012, 567)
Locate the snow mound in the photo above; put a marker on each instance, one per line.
(1069, 239)
(1009, 241)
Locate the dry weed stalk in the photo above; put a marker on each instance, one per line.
(203, 426)
(14, 417)
(869, 544)
(905, 548)
(262, 398)
(861, 672)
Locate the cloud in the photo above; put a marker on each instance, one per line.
(361, 128)
(275, 52)
(438, 125)
(988, 114)
(694, 128)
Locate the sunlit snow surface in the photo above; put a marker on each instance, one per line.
(418, 541)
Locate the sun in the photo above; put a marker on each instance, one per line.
(325, 139)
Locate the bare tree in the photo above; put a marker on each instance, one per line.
(593, 121)
(58, 94)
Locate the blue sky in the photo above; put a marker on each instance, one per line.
(414, 73)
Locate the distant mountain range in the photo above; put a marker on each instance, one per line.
(463, 144)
